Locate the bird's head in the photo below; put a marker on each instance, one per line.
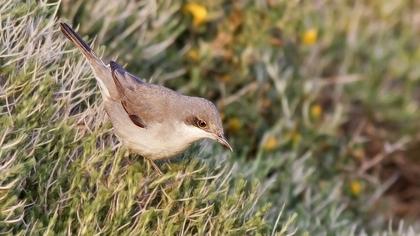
(203, 119)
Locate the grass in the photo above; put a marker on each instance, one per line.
(318, 98)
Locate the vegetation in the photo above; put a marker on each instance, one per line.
(318, 99)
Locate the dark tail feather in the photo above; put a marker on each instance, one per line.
(101, 71)
(77, 40)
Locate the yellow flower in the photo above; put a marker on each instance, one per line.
(198, 12)
(316, 111)
(310, 37)
(234, 124)
(270, 143)
(193, 55)
(356, 187)
(224, 78)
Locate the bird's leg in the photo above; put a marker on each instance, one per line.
(153, 164)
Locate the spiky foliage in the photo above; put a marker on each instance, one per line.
(298, 83)
(62, 170)
(315, 96)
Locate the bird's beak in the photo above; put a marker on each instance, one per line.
(222, 140)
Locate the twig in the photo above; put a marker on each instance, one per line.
(234, 97)
(389, 149)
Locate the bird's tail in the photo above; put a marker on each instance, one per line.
(78, 41)
(101, 71)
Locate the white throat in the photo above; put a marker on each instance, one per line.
(192, 133)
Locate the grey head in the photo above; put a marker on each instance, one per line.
(204, 115)
(148, 104)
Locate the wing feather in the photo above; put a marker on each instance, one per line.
(148, 103)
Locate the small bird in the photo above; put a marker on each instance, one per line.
(151, 120)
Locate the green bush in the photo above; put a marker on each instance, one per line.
(62, 170)
(290, 79)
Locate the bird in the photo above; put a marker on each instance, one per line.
(151, 120)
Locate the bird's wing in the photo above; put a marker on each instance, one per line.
(144, 103)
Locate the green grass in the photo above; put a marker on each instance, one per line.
(308, 121)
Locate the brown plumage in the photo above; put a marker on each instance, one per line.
(152, 120)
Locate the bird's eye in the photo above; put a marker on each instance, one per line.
(201, 123)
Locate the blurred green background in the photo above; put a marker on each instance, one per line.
(320, 100)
